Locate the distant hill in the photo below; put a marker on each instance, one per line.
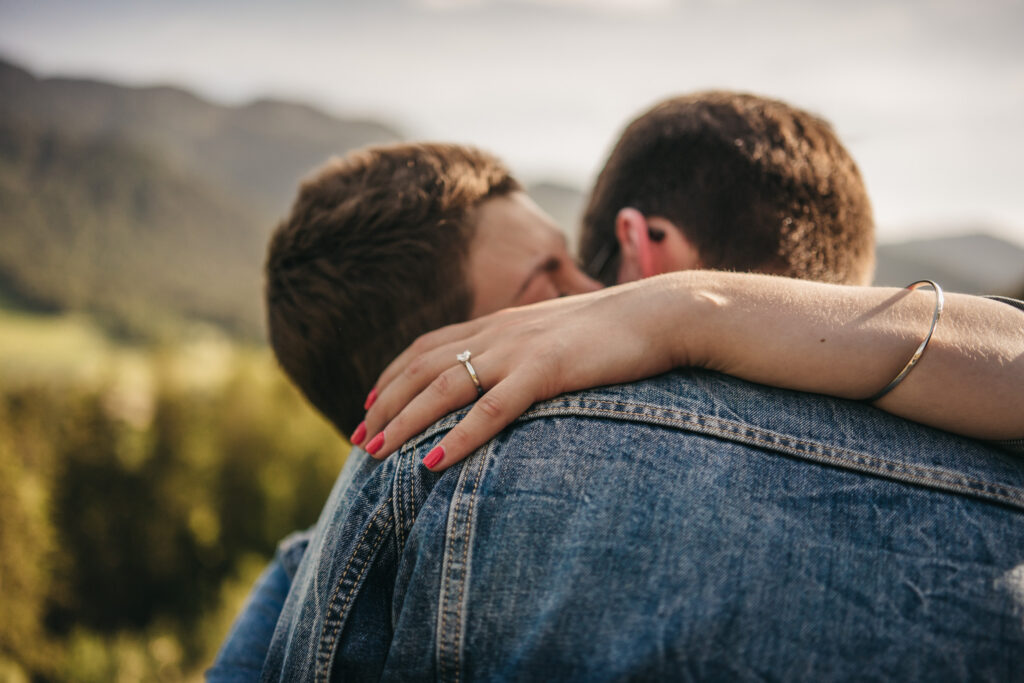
(972, 263)
(564, 203)
(103, 227)
(149, 205)
(259, 149)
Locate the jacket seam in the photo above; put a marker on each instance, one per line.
(795, 446)
(815, 451)
(461, 527)
(332, 626)
(399, 503)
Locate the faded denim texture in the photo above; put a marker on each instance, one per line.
(689, 527)
(241, 656)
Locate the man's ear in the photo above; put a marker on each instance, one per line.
(634, 245)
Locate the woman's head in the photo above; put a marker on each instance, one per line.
(752, 183)
(386, 244)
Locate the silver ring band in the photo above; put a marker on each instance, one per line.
(464, 359)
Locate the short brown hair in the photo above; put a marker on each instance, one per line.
(373, 255)
(754, 184)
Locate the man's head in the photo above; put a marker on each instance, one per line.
(729, 181)
(389, 243)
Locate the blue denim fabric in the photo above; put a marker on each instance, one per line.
(689, 527)
(241, 656)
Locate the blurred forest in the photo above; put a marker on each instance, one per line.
(151, 452)
(141, 491)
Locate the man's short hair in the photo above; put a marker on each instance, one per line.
(373, 255)
(753, 183)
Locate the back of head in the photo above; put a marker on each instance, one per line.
(755, 185)
(373, 255)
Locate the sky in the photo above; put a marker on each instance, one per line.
(927, 95)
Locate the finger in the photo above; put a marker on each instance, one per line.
(451, 390)
(494, 411)
(414, 379)
(424, 344)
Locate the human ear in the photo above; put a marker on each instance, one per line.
(651, 246)
(634, 245)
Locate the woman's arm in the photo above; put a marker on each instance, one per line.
(838, 340)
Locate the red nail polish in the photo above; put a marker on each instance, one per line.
(359, 434)
(433, 457)
(375, 444)
(370, 399)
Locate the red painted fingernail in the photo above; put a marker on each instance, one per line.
(359, 434)
(433, 457)
(375, 444)
(370, 399)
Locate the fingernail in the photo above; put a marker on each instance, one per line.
(370, 399)
(359, 434)
(375, 444)
(433, 457)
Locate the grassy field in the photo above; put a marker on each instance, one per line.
(34, 346)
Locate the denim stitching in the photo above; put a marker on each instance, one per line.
(480, 461)
(473, 468)
(819, 452)
(448, 578)
(441, 636)
(646, 413)
(938, 477)
(1010, 444)
(409, 500)
(326, 650)
(398, 498)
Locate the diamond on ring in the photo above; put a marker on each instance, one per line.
(464, 359)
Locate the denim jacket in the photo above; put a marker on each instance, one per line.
(688, 527)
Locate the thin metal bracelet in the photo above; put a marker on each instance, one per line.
(936, 314)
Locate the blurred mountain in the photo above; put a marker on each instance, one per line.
(259, 150)
(564, 203)
(99, 226)
(149, 205)
(974, 263)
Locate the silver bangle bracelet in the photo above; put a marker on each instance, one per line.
(936, 314)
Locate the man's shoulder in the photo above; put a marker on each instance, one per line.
(698, 405)
(694, 408)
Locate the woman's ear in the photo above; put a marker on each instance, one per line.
(651, 246)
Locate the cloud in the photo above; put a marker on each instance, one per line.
(447, 5)
(625, 6)
(596, 6)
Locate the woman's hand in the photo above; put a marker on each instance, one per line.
(808, 336)
(521, 356)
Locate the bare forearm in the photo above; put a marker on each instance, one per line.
(851, 341)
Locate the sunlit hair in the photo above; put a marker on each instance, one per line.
(373, 255)
(753, 183)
